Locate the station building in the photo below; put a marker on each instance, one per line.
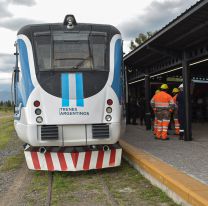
(178, 53)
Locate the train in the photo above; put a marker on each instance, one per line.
(69, 95)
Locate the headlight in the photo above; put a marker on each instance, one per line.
(108, 109)
(39, 119)
(108, 118)
(38, 111)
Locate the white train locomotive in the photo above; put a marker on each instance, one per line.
(69, 95)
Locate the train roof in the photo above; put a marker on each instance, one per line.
(32, 28)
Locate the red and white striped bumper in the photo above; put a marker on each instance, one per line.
(70, 159)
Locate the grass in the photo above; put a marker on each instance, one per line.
(6, 120)
(74, 187)
(6, 136)
(130, 187)
(5, 110)
(37, 190)
(6, 131)
(12, 162)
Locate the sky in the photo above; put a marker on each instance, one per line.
(130, 17)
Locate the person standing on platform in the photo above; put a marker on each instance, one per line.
(163, 104)
(155, 116)
(180, 101)
(133, 110)
(175, 111)
(141, 108)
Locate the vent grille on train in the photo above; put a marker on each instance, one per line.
(100, 131)
(49, 132)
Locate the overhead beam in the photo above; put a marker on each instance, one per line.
(164, 51)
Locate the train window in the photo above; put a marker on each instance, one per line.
(81, 51)
(98, 44)
(71, 51)
(43, 51)
(71, 54)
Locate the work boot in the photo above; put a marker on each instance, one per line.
(164, 135)
(158, 136)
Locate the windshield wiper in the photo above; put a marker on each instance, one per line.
(84, 62)
(89, 58)
(90, 51)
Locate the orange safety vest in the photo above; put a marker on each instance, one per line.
(162, 100)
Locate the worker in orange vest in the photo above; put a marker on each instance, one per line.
(163, 104)
(155, 113)
(175, 111)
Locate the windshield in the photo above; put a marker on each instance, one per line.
(67, 51)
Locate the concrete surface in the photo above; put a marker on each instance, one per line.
(190, 157)
(182, 188)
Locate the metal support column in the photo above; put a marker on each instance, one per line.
(147, 102)
(186, 87)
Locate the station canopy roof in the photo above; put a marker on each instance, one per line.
(188, 32)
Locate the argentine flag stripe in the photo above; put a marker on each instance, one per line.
(72, 86)
(72, 89)
(65, 89)
(79, 90)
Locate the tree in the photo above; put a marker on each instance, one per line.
(8, 103)
(140, 39)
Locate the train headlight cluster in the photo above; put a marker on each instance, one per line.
(39, 119)
(38, 111)
(108, 118)
(108, 109)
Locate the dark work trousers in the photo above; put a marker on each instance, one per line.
(133, 113)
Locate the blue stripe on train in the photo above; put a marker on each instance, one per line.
(65, 89)
(79, 90)
(26, 82)
(117, 82)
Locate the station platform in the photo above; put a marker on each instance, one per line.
(178, 167)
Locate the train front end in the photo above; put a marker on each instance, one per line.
(69, 95)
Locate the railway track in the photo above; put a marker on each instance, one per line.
(112, 201)
(50, 184)
(106, 190)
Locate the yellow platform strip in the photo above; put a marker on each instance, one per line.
(191, 190)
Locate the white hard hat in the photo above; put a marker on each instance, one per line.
(181, 86)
